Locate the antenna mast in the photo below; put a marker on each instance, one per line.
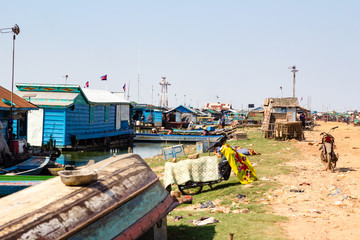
(164, 92)
(294, 70)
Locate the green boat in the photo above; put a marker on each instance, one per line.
(10, 184)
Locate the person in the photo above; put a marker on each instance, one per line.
(302, 119)
(149, 119)
(142, 119)
(170, 131)
(205, 132)
(223, 121)
(154, 130)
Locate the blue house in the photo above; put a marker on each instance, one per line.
(152, 114)
(76, 117)
(182, 113)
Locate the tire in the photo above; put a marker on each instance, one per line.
(190, 190)
(323, 158)
(329, 164)
(333, 162)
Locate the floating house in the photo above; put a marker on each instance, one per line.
(150, 114)
(218, 106)
(13, 123)
(16, 109)
(183, 113)
(75, 117)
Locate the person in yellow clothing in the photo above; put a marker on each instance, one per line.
(239, 164)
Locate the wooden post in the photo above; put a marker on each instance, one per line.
(231, 236)
(209, 145)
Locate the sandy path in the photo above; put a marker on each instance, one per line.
(328, 208)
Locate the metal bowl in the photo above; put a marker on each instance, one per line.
(78, 177)
(54, 171)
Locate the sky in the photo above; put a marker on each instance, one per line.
(230, 51)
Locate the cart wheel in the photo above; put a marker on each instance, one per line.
(190, 190)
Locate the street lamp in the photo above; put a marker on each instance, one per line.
(293, 70)
(15, 31)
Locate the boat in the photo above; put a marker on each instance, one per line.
(126, 201)
(175, 137)
(32, 166)
(11, 184)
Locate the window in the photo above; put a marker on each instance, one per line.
(91, 113)
(106, 113)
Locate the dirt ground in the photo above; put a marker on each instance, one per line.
(321, 204)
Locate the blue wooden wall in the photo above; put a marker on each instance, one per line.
(15, 128)
(78, 122)
(54, 126)
(158, 117)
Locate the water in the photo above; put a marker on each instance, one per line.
(81, 158)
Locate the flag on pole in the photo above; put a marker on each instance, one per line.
(86, 84)
(124, 87)
(104, 78)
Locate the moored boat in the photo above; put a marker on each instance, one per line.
(32, 166)
(125, 202)
(175, 137)
(11, 184)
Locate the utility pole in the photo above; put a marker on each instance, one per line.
(294, 70)
(152, 94)
(128, 96)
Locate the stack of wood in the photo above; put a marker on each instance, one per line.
(240, 136)
(289, 130)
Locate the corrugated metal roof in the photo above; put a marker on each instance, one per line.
(282, 102)
(17, 100)
(49, 98)
(102, 96)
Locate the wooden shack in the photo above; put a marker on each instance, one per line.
(281, 110)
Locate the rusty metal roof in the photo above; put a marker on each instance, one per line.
(282, 102)
(19, 102)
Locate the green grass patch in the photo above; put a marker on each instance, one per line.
(259, 223)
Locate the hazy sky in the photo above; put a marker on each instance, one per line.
(238, 50)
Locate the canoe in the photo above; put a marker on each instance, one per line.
(12, 184)
(175, 137)
(125, 202)
(32, 166)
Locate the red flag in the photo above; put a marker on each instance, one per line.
(104, 78)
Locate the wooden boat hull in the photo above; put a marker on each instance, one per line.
(32, 166)
(175, 138)
(124, 203)
(12, 184)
